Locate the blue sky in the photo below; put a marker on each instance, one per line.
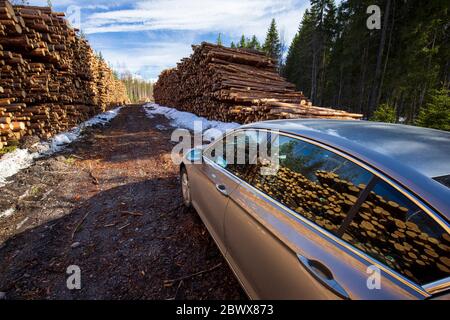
(148, 36)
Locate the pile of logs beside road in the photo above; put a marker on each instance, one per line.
(50, 78)
(238, 85)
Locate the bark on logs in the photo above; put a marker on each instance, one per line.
(50, 78)
(235, 85)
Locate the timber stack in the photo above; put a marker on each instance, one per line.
(50, 78)
(235, 85)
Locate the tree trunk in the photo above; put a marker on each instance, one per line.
(425, 87)
(380, 88)
(314, 75)
(341, 75)
(363, 82)
(376, 82)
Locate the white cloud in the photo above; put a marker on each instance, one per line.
(187, 22)
(232, 16)
(155, 56)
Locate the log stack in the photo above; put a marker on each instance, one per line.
(235, 85)
(50, 78)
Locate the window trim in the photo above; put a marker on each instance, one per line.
(426, 289)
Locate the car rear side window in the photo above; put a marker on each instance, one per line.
(395, 231)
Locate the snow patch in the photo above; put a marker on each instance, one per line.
(61, 140)
(190, 121)
(11, 163)
(7, 213)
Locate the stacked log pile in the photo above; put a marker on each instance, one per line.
(235, 85)
(50, 78)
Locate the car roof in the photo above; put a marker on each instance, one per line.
(410, 155)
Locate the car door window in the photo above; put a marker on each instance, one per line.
(314, 182)
(237, 151)
(395, 231)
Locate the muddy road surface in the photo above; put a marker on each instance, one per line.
(110, 205)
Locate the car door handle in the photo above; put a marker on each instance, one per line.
(323, 275)
(222, 189)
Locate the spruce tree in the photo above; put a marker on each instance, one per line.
(272, 45)
(219, 39)
(299, 59)
(323, 12)
(385, 113)
(254, 43)
(232, 45)
(291, 68)
(243, 42)
(436, 113)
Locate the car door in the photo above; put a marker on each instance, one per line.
(283, 231)
(211, 187)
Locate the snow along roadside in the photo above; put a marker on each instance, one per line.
(186, 120)
(11, 163)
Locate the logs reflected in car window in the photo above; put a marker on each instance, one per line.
(323, 186)
(314, 182)
(240, 151)
(392, 229)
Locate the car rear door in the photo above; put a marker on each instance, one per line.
(282, 231)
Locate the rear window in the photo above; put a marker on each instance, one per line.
(445, 180)
(398, 233)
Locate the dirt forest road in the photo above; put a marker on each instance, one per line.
(110, 204)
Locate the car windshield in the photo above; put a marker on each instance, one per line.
(445, 180)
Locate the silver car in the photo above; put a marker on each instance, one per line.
(325, 209)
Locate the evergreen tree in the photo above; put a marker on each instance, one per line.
(272, 44)
(324, 16)
(337, 61)
(436, 113)
(299, 58)
(232, 45)
(400, 69)
(243, 42)
(385, 113)
(254, 43)
(219, 39)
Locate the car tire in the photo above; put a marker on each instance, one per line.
(185, 188)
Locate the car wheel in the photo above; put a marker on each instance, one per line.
(185, 188)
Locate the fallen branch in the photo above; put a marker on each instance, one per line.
(123, 227)
(137, 214)
(79, 225)
(193, 275)
(110, 225)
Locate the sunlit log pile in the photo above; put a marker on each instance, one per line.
(382, 228)
(50, 78)
(238, 85)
